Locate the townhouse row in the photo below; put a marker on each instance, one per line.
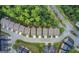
(29, 31)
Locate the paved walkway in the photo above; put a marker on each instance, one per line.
(69, 26)
(66, 33)
(16, 36)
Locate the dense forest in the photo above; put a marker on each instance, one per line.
(30, 15)
(72, 11)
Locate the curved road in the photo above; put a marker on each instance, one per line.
(69, 26)
(16, 36)
(66, 33)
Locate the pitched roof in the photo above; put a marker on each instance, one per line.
(11, 25)
(4, 44)
(45, 31)
(56, 31)
(76, 41)
(50, 31)
(23, 50)
(39, 31)
(46, 50)
(69, 42)
(52, 49)
(5, 22)
(21, 28)
(27, 30)
(33, 31)
(2, 20)
(65, 47)
(16, 26)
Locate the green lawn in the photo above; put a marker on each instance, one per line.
(33, 47)
(73, 51)
(57, 45)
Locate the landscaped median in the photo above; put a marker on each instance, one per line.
(33, 47)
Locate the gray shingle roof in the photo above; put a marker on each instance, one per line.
(27, 30)
(5, 22)
(45, 32)
(11, 25)
(21, 28)
(56, 31)
(4, 44)
(76, 41)
(46, 50)
(2, 21)
(50, 31)
(52, 49)
(39, 31)
(22, 50)
(65, 47)
(33, 31)
(69, 41)
(16, 26)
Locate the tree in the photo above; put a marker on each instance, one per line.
(72, 12)
(30, 15)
